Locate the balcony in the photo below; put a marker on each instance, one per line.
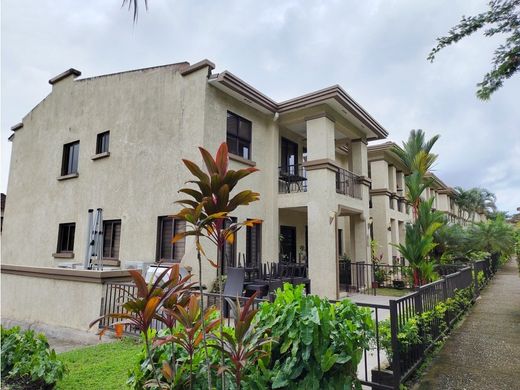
(292, 178)
(347, 183)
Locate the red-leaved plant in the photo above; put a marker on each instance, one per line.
(207, 210)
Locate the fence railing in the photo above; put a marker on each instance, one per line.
(405, 358)
(347, 183)
(366, 278)
(373, 370)
(118, 293)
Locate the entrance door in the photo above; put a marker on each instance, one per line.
(288, 243)
(289, 157)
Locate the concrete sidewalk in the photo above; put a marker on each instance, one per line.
(484, 352)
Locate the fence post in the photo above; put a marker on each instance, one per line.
(394, 329)
(444, 288)
(476, 288)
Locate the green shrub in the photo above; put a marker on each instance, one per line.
(27, 360)
(319, 344)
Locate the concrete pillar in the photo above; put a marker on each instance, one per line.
(379, 174)
(359, 157)
(320, 139)
(322, 209)
(361, 237)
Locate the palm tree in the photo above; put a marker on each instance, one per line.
(475, 200)
(417, 157)
(415, 153)
(134, 5)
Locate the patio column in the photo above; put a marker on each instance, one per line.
(360, 168)
(322, 207)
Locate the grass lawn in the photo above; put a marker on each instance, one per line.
(392, 292)
(103, 366)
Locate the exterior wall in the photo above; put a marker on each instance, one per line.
(67, 298)
(387, 222)
(156, 117)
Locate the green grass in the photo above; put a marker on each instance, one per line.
(100, 367)
(392, 292)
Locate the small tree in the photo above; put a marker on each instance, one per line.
(207, 210)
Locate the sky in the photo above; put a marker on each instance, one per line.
(376, 50)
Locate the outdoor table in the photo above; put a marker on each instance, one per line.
(291, 178)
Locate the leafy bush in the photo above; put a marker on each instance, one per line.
(320, 344)
(28, 361)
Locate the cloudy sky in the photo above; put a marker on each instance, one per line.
(375, 49)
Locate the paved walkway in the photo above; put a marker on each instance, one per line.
(484, 352)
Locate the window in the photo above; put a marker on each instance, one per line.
(340, 242)
(238, 135)
(166, 229)
(102, 142)
(111, 239)
(66, 237)
(70, 158)
(228, 254)
(254, 244)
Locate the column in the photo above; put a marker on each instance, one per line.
(322, 207)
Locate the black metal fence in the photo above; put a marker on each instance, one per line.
(118, 293)
(292, 178)
(347, 183)
(406, 359)
(374, 370)
(366, 278)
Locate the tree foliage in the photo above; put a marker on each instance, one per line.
(475, 201)
(502, 17)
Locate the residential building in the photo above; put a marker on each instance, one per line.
(389, 211)
(116, 142)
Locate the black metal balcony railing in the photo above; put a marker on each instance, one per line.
(292, 178)
(347, 183)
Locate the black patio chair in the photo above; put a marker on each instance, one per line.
(234, 286)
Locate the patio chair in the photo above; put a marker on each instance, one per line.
(234, 286)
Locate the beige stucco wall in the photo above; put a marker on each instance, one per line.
(65, 303)
(156, 117)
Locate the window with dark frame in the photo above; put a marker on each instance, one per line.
(254, 244)
(66, 233)
(167, 228)
(340, 242)
(238, 135)
(111, 239)
(102, 142)
(70, 158)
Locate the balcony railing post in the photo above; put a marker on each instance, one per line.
(394, 330)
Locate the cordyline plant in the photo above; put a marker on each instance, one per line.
(192, 318)
(141, 309)
(207, 211)
(244, 346)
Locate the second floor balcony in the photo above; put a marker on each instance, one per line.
(293, 178)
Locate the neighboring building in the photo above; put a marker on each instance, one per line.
(389, 211)
(116, 142)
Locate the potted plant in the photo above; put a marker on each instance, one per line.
(379, 277)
